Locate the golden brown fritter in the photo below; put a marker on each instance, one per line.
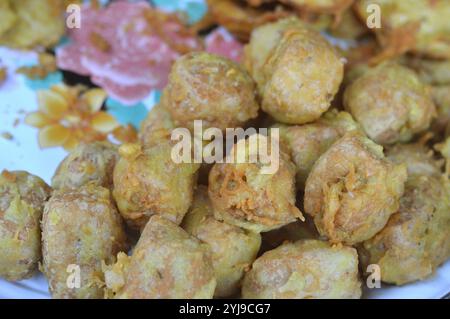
(434, 72)
(244, 196)
(441, 98)
(22, 198)
(207, 87)
(262, 42)
(36, 23)
(148, 182)
(307, 142)
(444, 149)
(307, 269)
(156, 127)
(416, 239)
(418, 158)
(421, 27)
(80, 228)
(295, 84)
(87, 163)
(240, 19)
(349, 27)
(333, 7)
(390, 103)
(233, 249)
(7, 16)
(166, 263)
(257, 3)
(352, 190)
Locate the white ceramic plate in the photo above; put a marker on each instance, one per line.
(432, 288)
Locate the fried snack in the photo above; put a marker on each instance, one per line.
(37, 23)
(444, 149)
(307, 269)
(300, 76)
(7, 16)
(148, 182)
(290, 233)
(80, 228)
(239, 19)
(257, 3)
(436, 73)
(352, 190)
(416, 239)
(22, 198)
(262, 42)
(87, 163)
(333, 7)
(232, 249)
(421, 27)
(418, 158)
(390, 103)
(244, 196)
(207, 87)
(166, 263)
(433, 72)
(156, 127)
(441, 98)
(349, 27)
(307, 142)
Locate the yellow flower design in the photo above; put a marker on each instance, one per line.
(70, 115)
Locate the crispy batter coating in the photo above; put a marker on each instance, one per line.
(262, 42)
(87, 163)
(7, 16)
(166, 263)
(416, 239)
(307, 269)
(300, 76)
(207, 87)
(421, 27)
(435, 72)
(257, 3)
(444, 149)
(418, 158)
(244, 196)
(156, 127)
(81, 228)
(390, 103)
(334, 7)
(22, 198)
(148, 182)
(36, 23)
(349, 27)
(441, 98)
(239, 19)
(233, 249)
(352, 190)
(307, 142)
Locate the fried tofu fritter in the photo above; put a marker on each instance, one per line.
(22, 198)
(302, 270)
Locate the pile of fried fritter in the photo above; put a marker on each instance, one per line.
(363, 176)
